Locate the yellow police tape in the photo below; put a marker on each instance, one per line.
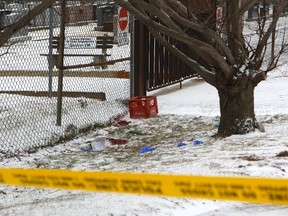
(255, 190)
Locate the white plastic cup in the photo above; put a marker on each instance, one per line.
(98, 144)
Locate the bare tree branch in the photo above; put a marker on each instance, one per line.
(201, 49)
(246, 5)
(204, 30)
(8, 48)
(268, 33)
(24, 21)
(208, 51)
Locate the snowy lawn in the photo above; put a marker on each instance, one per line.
(184, 115)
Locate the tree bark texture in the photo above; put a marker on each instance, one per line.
(237, 109)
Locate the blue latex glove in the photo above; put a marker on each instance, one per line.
(197, 142)
(146, 149)
(181, 144)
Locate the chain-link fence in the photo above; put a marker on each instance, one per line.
(35, 99)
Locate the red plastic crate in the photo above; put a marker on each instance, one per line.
(143, 107)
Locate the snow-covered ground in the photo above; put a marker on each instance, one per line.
(184, 115)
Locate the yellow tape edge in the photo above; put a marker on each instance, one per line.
(254, 190)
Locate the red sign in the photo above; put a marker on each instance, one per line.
(123, 19)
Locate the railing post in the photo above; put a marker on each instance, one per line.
(139, 56)
(61, 62)
(50, 57)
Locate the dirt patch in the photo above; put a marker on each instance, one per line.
(282, 154)
(251, 158)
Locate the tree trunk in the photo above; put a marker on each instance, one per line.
(237, 109)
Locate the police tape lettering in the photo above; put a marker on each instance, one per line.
(255, 190)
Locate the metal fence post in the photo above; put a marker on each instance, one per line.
(139, 57)
(132, 68)
(50, 57)
(61, 63)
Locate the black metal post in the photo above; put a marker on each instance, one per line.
(61, 63)
(139, 57)
(50, 57)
